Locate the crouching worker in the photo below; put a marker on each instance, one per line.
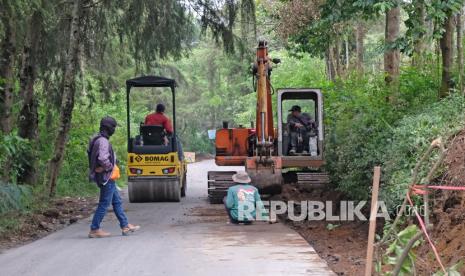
(104, 172)
(243, 201)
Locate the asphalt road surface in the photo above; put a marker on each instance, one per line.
(187, 238)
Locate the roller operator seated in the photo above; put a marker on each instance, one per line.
(158, 118)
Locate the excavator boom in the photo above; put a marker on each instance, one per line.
(264, 119)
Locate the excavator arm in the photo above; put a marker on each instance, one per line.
(256, 147)
(264, 120)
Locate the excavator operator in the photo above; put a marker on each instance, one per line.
(299, 127)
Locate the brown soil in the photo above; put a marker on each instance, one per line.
(341, 244)
(203, 156)
(59, 214)
(344, 247)
(448, 213)
(212, 213)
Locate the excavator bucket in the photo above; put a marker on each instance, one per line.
(266, 174)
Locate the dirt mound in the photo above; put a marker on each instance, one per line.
(201, 156)
(60, 213)
(448, 212)
(455, 160)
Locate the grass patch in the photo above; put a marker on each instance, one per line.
(11, 223)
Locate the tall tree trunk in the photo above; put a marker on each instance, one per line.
(69, 89)
(359, 45)
(337, 58)
(346, 43)
(452, 44)
(28, 121)
(331, 64)
(49, 105)
(327, 66)
(392, 56)
(7, 60)
(460, 49)
(419, 45)
(446, 51)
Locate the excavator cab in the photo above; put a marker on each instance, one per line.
(311, 103)
(156, 170)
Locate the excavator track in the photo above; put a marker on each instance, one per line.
(312, 180)
(218, 184)
(220, 181)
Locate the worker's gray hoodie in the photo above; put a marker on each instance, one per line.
(101, 154)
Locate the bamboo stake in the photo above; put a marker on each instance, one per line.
(371, 231)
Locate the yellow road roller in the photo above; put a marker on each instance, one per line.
(156, 168)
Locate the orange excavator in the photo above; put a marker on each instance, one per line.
(265, 150)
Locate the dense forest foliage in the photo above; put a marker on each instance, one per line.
(391, 73)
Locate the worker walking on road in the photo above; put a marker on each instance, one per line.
(243, 200)
(104, 172)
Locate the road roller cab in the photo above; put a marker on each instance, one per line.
(156, 168)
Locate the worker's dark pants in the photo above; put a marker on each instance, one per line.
(109, 195)
(295, 142)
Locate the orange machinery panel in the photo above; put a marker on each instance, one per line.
(232, 146)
